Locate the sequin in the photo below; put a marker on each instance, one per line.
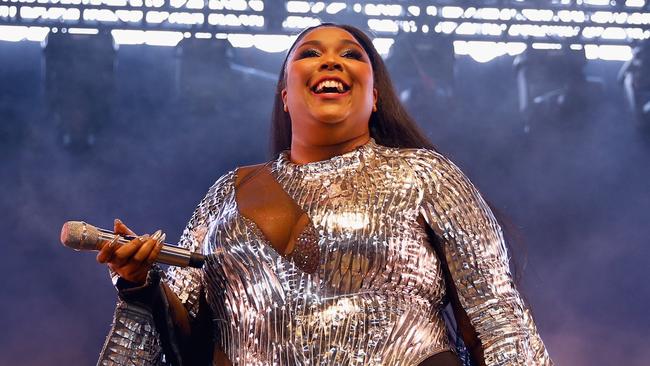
(372, 294)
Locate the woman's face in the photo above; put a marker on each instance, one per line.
(329, 86)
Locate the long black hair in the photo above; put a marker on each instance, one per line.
(390, 125)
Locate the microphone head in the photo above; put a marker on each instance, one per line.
(79, 235)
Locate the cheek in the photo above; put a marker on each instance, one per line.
(296, 76)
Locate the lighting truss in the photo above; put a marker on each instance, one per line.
(537, 23)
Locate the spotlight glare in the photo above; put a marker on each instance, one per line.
(83, 31)
(297, 22)
(272, 43)
(318, 7)
(486, 51)
(298, 7)
(487, 14)
(13, 33)
(452, 12)
(635, 3)
(256, 5)
(547, 46)
(608, 52)
(383, 45)
(383, 25)
(336, 7)
(152, 38)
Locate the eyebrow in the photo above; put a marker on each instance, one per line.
(319, 43)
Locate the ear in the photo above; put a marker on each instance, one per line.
(283, 93)
(374, 99)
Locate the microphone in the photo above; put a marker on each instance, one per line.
(79, 235)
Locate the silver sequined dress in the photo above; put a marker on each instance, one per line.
(376, 297)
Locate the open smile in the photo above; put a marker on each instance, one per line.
(330, 88)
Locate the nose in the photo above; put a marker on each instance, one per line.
(331, 64)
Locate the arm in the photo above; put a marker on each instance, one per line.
(166, 312)
(477, 260)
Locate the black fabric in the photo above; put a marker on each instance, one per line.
(447, 358)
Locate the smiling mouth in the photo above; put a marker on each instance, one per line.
(330, 86)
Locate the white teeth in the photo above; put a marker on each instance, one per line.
(330, 84)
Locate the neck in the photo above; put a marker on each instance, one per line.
(303, 152)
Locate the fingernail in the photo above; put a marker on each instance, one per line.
(162, 238)
(117, 221)
(156, 235)
(143, 238)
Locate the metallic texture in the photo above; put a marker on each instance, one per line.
(377, 293)
(133, 339)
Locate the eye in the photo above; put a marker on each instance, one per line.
(310, 52)
(353, 54)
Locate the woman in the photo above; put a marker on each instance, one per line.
(334, 253)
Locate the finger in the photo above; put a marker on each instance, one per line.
(147, 247)
(120, 228)
(156, 250)
(124, 253)
(108, 249)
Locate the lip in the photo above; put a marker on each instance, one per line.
(330, 95)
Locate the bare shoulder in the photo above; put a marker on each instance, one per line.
(244, 171)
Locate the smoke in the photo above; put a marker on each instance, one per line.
(577, 189)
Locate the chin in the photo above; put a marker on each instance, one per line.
(330, 118)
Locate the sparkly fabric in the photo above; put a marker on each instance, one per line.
(306, 253)
(133, 340)
(377, 290)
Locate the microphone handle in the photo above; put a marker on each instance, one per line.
(169, 254)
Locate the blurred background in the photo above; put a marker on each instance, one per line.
(132, 108)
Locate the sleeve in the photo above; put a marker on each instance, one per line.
(136, 337)
(478, 261)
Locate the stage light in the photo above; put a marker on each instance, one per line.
(383, 25)
(19, 33)
(256, 5)
(318, 7)
(453, 12)
(79, 86)
(129, 16)
(483, 52)
(298, 7)
(608, 52)
(336, 7)
(414, 10)
(152, 38)
(383, 45)
(83, 31)
(552, 84)
(272, 43)
(597, 2)
(635, 3)
(538, 15)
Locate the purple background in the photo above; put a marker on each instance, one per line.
(578, 190)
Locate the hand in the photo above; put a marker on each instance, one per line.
(133, 260)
